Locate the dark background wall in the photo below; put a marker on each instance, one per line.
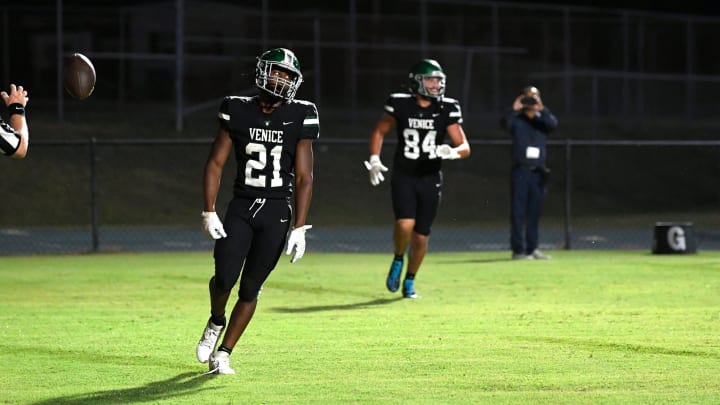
(630, 71)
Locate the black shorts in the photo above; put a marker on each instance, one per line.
(256, 232)
(417, 198)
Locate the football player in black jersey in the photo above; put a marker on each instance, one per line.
(424, 119)
(272, 135)
(14, 137)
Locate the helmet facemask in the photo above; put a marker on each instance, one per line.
(427, 68)
(277, 86)
(424, 91)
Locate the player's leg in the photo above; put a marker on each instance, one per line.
(416, 254)
(518, 206)
(214, 325)
(218, 301)
(404, 203)
(229, 256)
(428, 192)
(266, 248)
(402, 232)
(404, 208)
(265, 251)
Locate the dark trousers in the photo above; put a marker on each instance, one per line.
(527, 195)
(417, 198)
(256, 230)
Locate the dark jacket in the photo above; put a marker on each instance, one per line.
(527, 133)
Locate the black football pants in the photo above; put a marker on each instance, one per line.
(256, 232)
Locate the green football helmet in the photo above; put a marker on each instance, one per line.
(419, 71)
(282, 59)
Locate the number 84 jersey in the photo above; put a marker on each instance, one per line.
(420, 130)
(265, 144)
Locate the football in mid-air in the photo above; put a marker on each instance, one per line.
(79, 76)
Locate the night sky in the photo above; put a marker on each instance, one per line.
(702, 8)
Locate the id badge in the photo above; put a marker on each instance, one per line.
(532, 152)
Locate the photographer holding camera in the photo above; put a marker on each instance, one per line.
(528, 122)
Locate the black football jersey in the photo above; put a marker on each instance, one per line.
(9, 139)
(419, 131)
(265, 144)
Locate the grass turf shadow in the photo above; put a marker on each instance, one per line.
(355, 305)
(180, 385)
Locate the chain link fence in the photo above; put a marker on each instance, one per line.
(146, 195)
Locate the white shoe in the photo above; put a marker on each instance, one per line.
(536, 254)
(219, 363)
(207, 342)
(522, 256)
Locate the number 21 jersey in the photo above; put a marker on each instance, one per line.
(265, 144)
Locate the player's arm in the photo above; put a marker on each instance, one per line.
(303, 195)
(213, 168)
(374, 165)
(303, 180)
(219, 152)
(16, 102)
(460, 148)
(383, 126)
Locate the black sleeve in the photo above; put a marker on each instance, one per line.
(547, 120)
(9, 139)
(224, 114)
(311, 122)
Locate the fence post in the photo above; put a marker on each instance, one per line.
(179, 64)
(568, 189)
(93, 196)
(59, 59)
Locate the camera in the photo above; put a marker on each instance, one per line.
(527, 100)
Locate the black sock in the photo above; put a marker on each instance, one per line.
(218, 320)
(409, 276)
(225, 349)
(399, 257)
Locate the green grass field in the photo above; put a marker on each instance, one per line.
(586, 327)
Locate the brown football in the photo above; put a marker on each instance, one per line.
(79, 76)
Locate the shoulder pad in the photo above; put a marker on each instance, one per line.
(239, 98)
(303, 102)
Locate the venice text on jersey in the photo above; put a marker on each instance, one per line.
(420, 123)
(266, 135)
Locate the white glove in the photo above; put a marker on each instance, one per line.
(297, 241)
(375, 167)
(446, 151)
(212, 225)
